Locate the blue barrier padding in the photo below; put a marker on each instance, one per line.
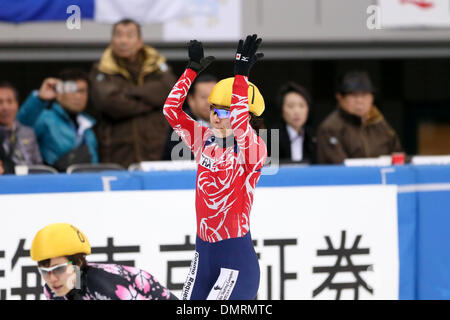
(81, 182)
(167, 180)
(286, 176)
(423, 213)
(321, 175)
(407, 229)
(433, 263)
(432, 174)
(400, 175)
(433, 247)
(407, 242)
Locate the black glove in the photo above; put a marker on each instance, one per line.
(197, 62)
(246, 55)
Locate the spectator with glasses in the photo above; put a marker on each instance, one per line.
(60, 250)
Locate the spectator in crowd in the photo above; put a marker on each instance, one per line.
(356, 129)
(63, 130)
(198, 110)
(18, 144)
(296, 138)
(129, 87)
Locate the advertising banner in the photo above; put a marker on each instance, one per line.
(415, 13)
(313, 242)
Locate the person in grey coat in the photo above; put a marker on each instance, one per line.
(18, 144)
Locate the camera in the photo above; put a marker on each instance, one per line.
(67, 87)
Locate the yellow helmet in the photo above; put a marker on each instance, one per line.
(221, 96)
(58, 240)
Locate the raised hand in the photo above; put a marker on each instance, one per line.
(246, 55)
(48, 89)
(197, 61)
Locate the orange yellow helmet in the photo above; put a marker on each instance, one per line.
(220, 96)
(58, 240)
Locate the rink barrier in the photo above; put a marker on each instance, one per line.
(423, 207)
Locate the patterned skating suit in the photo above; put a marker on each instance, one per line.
(117, 282)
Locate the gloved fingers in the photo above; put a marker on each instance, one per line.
(248, 44)
(205, 62)
(254, 46)
(257, 44)
(259, 56)
(195, 50)
(240, 46)
(195, 44)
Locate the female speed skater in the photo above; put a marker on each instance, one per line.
(60, 250)
(230, 156)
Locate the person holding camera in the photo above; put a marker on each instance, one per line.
(56, 113)
(18, 145)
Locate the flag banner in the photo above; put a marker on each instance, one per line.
(143, 11)
(214, 20)
(206, 20)
(21, 11)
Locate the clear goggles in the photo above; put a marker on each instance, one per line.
(55, 270)
(221, 113)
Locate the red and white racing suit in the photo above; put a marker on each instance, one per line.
(226, 177)
(225, 265)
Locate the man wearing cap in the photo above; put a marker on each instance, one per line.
(356, 129)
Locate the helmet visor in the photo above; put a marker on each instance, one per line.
(221, 113)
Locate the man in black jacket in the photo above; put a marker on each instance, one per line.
(296, 140)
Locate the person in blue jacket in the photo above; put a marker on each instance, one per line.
(55, 112)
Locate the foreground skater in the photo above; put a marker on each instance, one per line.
(60, 250)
